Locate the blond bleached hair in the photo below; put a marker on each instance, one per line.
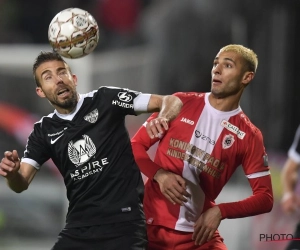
(247, 54)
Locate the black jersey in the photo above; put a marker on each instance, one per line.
(91, 148)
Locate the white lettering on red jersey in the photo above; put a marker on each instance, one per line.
(205, 146)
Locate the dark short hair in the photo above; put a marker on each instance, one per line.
(45, 56)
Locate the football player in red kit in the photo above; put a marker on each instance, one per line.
(210, 138)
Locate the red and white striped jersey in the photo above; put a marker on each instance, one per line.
(205, 146)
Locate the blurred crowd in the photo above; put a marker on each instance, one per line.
(184, 34)
(28, 21)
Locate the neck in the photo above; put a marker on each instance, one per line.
(65, 111)
(225, 104)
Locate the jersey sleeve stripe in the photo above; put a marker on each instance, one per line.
(140, 103)
(31, 162)
(257, 175)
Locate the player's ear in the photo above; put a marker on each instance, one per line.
(248, 77)
(75, 79)
(40, 92)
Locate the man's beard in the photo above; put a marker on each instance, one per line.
(69, 104)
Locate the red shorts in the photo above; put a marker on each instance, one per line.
(162, 238)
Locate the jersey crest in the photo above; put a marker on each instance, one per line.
(228, 140)
(92, 117)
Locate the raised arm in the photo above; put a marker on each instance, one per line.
(18, 175)
(168, 107)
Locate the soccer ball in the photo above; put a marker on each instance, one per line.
(73, 33)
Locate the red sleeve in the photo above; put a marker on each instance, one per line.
(260, 202)
(141, 142)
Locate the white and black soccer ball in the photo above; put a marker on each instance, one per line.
(73, 33)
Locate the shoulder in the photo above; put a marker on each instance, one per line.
(185, 96)
(44, 122)
(123, 94)
(248, 126)
(44, 119)
(190, 94)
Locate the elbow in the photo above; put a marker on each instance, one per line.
(271, 203)
(268, 204)
(268, 207)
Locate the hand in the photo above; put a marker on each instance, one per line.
(157, 126)
(10, 164)
(290, 203)
(206, 225)
(172, 186)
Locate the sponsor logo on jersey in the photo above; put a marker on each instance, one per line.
(81, 151)
(88, 169)
(240, 134)
(92, 117)
(183, 119)
(203, 137)
(124, 97)
(228, 140)
(200, 159)
(59, 134)
(122, 104)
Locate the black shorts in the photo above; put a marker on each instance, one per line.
(131, 235)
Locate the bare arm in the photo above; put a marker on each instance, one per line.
(18, 175)
(168, 107)
(289, 178)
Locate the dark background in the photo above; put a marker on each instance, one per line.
(161, 46)
(186, 36)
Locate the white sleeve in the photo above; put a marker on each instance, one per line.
(31, 162)
(140, 103)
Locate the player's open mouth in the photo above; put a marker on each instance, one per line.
(216, 81)
(63, 92)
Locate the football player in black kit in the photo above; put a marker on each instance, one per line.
(87, 140)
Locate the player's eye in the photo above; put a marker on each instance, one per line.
(48, 78)
(63, 73)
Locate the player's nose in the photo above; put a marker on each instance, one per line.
(216, 69)
(58, 79)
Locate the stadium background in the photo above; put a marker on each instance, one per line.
(157, 46)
